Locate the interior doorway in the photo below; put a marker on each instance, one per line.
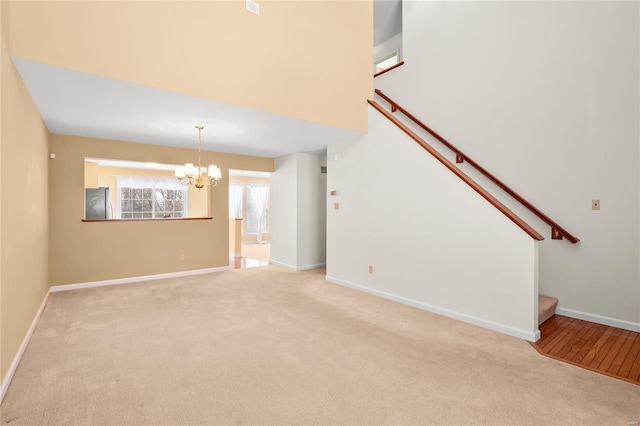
(249, 218)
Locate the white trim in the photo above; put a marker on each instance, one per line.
(521, 334)
(307, 267)
(67, 287)
(599, 319)
(284, 265)
(23, 346)
(297, 268)
(235, 255)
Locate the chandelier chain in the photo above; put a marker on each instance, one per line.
(199, 147)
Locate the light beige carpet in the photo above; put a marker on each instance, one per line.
(270, 346)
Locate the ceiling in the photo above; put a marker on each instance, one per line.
(387, 20)
(81, 104)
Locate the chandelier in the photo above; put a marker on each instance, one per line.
(197, 175)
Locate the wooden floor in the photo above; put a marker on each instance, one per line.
(253, 254)
(607, 350)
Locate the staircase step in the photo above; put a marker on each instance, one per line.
(546, 307)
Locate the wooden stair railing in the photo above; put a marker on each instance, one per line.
(388, 69)
(557, 232)
(473, 184)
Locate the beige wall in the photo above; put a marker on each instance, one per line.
(274, 62)
(247, 179)
(235, 237)
(99, 176)
(84, 252)
(91, 175)
(23, 217)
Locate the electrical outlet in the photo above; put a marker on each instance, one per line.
(371, 269)
(336, 206)
(595, 204)
(182, 257)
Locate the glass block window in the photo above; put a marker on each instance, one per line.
(151, 198)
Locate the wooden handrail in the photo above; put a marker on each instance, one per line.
(557, 232)
(389, 69)
(448, 164)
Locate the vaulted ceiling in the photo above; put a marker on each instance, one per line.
(150, 71)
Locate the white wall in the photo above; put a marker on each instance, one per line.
(298, 212)
(312, 211)
(432, 240)
(284, 217)
(546, 96)
(386, 48)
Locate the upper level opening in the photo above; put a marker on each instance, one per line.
(387, 34)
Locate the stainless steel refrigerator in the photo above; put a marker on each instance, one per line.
(97, 203)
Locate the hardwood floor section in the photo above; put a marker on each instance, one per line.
(607, 350)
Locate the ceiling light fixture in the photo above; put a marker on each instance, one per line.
(197, 175)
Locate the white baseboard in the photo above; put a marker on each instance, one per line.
(599, 319)
(297, 268)
(284, 265)
(308, 267)
(501, 328)
(67, 287)
(235, 255)
(23, 346)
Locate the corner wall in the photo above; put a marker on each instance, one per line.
(284, 216)
(432, 241)
(312, 211)
(24, 204)
(545, 95)
(298, 212)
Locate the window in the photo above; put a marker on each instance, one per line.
(150, 198)
(257, 208)
(236, 191)
(251, 202)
